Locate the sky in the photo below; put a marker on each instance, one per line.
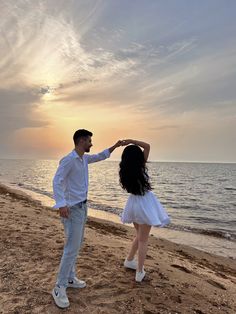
(161, 71)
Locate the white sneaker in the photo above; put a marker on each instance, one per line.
(140, 275)
(76, 283)
(130, 264)
(60, 297)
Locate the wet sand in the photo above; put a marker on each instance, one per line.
(180, 279)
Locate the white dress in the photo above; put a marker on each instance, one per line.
(145, 209)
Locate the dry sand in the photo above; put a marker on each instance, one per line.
(180, 279)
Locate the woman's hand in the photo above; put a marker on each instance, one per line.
(127, 142)
(145, 146)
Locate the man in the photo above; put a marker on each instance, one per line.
(70, 186)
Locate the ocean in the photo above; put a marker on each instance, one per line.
(200, 198)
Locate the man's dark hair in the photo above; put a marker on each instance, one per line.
(80, 134)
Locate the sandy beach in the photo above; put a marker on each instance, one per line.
(179, 279)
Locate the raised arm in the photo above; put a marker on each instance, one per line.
(104, 154)
(117, 144)
(145, 146)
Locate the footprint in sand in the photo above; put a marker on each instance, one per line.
(176, 298)
(216, 284)
(164, 277)
(186, 270)
(221, 275)
(110, 255)
(198, 312)
(87, 267)
(43, 227)
(181, 252)
(59, 241)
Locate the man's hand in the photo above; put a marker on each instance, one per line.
(64, 212)
(117, 144)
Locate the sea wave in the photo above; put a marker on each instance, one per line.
(33, 189)
(209, 232)
(214, 233)
(117, 210)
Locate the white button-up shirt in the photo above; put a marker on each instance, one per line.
(70, 183)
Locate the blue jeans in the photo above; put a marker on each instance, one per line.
(74, 232)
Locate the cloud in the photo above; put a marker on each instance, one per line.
(163, 127)
(17, 110)
(44, 90)
(138, 60)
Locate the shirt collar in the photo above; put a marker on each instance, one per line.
(75, 155)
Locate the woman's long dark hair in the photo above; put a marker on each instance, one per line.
(133, 171)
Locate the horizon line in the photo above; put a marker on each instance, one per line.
(150, 161)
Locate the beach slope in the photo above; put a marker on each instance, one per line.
(179, 279)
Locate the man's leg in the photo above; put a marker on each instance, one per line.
(74, 229)
(72, 274)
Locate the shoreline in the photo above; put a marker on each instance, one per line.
(180, 279)
(208, 243)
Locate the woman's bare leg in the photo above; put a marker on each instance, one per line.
(134, 246)
(143, 234)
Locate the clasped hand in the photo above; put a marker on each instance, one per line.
(123, 143)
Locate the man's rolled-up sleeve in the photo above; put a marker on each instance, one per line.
(62, 172)
(98, 157)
